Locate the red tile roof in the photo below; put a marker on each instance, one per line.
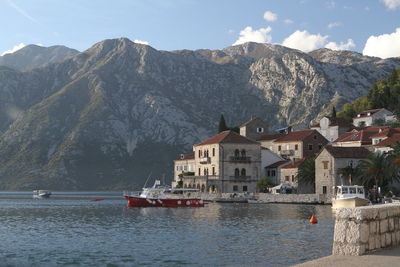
(227, 137)
(390, 141)
(386, 132)
(365, 112)
(293, 165)
(295, 136)
(347, 152)
(277, 164)
(186, 156)
(364, 135)
(269, 137)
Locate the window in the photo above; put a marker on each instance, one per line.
(199, 153)
(319, 146)
(243, 153)
(324, 189)
(185, 168)
(237, 153)
(199, 172)
(268, 173)
(279, 148)
(213, 151)
(213, 170)
(315, 136)
(292, 178)
(287, 178)
(260, 130)
(296, 147)
(273, 173)
(235, 188)
(310, 147)
(325, 163)
(243, 172)
(245, 188)
(237, 172)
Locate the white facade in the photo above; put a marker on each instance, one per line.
(367, 118)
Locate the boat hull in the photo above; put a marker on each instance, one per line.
(349, 202)
(165, 202)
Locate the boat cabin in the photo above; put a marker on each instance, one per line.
(350, 191)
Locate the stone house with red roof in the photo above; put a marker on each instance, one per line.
(370, 117)
(366, 136)
(386, 144)
(332, 127)
(184, 165)
(225, 163)
(327, 164)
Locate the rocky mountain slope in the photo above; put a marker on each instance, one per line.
(107, 117)
(33, 56)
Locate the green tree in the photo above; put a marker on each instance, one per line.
(376, 170)
(349, 173)
(222, 125)
(263, 184)
(306, 172)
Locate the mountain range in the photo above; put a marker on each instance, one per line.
(107, 117)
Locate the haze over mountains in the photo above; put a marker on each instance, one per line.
(107, 117)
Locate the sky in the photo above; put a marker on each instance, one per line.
(371, 27)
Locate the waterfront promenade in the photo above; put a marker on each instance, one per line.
(387, 257)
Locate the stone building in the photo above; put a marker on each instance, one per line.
(370, 117)
(327, 164)
(366, 136)
(254, 128)
(267, 159)
(183, 166)
(299, 144)
(225, 163)
(273, 171)
(332, 127)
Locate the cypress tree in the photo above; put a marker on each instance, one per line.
(222, 125)
(333, 114)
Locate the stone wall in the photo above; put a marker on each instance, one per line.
(364, 229)
(289, 198)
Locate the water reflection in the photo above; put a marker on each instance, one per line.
(73, 230)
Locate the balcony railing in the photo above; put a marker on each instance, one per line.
(287, 152)
(205, 160)
(240, 177)
(202, 177)
(240, 159)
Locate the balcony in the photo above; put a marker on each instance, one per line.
(287, 152)
(203, 177)
(240, 178)
(205, 160)
(239, 159)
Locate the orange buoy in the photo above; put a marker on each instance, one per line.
(313, 220)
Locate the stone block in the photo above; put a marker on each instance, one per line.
(382, 213)
(353, 232)
(372, 227)
(347, 249)
(383, 240)
(388, 237)
(364, 232)
(377, 241)
(371, 243)
(383, 226)
(391, 224)
(394, 239)
(340, 231)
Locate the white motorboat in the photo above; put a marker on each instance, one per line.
(349, 196)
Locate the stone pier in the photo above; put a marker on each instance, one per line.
(364, 229)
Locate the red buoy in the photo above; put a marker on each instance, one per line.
(313, 220)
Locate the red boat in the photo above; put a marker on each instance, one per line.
(163, 196)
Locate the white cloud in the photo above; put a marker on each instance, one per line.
(383, 46)
(342, 46)
(15, 48)
(288, 21)
(334, 25)
(269, 16)
(305, 41)
(141, 42)
(391, 4)
(259, 36)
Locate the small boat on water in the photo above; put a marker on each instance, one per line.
(41, 194)
(163, 196)
(349, 196)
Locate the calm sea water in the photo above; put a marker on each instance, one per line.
(70, 230)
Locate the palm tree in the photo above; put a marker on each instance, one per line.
(350, 173)
(377, 170)
(306, 172)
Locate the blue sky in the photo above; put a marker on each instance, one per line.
(367, 26)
